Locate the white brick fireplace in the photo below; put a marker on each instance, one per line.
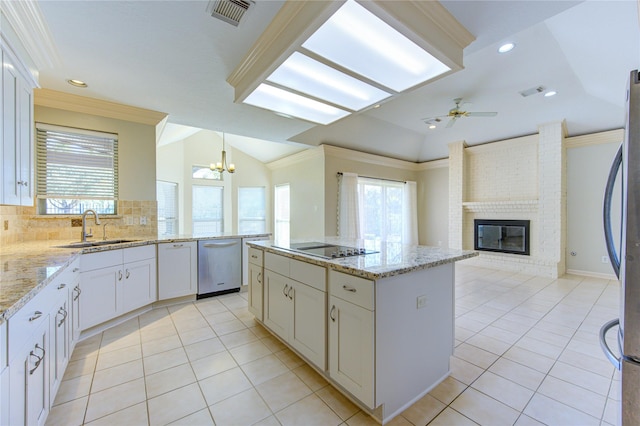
(516, 179)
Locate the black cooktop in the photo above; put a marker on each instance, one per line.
(328, 251)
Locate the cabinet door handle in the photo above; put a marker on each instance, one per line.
(127, 274)
(35, 316)
(349, 288)
(178, 245)
(289, 293)
(259, 278)
(63, 312)
(284, 290)
(253, 256)
(78, 291)
(39, 361)
(61, 286)
(75, 269)
(331, 315)
(120, 275)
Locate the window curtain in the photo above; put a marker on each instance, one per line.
(349, 207)
(410, 214)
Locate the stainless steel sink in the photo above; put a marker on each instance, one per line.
(82, 244)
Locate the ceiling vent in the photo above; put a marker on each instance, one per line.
(532, 91)
(230, 11)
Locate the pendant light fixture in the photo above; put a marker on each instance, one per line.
(221, 166)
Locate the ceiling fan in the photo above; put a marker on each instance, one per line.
(455, 113)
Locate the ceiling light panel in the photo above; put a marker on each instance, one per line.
(361, 42)
(306, 75)
(284, 102)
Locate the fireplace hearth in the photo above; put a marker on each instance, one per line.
(503, 236)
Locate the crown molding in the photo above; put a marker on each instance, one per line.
(69, 102)
(308, 154)
(365, 157)
(503, 144)
(434, 164)
(611, 136)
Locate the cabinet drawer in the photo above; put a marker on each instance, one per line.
(356, 290)
(255, 256)
(276, 263)
(70, 275)
(312, 275)
(134, 254)
(104, 259)
(27, 320)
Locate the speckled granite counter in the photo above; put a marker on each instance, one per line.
(391, 259)
(26, 268)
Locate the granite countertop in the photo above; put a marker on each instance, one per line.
(391, 258)
(26, 268)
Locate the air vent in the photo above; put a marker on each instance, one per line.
(230, 11)
(532, 91)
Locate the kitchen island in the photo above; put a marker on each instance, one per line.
(379, 326)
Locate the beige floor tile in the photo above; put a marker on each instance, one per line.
(249, 352)
(533, 360)
(220, 317)
(310, 377)
(175, 405)
(611, 410)
(518, 373)
(190, 324)
(464, 371)
(363, 419)
(147, 334)
(68, 414)
(80, 367)
(525, 420)
(309, 411)
(503, 390)
(269, 421)
(263, 369)
(87, 348)
(273, 343)
(73, 389)
(448, 390)
(165, 360)
(259, 331)
(475, 355)
(167, 380)
(224, 385)
(539, 347)
(423, 410)
(573, 396)
(483, 409)
(209, 307)
(450, 417)
(340, 404)
(599, 365)
(228, 327)
(203, 349)
(552, 412)
(132, 339)
(118, 356)
(397, 421)
(289, 358)
(117, 375)
(244, 408)
(233, 302)
(238, 338)
(131, 326)
(162, 344)
(489, 344)
(115, 399)
(580, 377)
(282, 391)
(213, 364)
(199, 418)
(135, 415)
(196, 335)
(152, 316)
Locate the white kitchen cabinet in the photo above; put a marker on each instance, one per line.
(255, 280)
(177, 269)
(4, 376)
(17, 178)
(59, 337)
(115, 282)
(295, 305)
(246, 257)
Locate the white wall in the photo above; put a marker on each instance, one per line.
(433, 206)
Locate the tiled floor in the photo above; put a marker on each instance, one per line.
(526, 353)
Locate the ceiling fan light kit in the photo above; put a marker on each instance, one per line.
(455, 113)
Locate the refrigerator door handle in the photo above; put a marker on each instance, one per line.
(616, 361)
(606, 212)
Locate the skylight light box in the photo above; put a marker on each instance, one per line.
(348, 56)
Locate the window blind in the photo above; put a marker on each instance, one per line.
(77, 164)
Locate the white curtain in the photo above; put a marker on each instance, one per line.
(348, 208)
(410, 214)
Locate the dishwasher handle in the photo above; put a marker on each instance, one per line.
(220, 245)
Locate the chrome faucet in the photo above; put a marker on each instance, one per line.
(84, 224)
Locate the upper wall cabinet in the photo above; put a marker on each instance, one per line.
(17, 153)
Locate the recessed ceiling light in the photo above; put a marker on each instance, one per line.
(507, 47)
(432, 126)
(550, 93)
(377, 106)
(77, 83)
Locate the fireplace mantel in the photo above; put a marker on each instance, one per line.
(500, 206)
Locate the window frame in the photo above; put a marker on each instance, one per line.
(262, 219)
(176, 219)
(210, 219)
(278, 222)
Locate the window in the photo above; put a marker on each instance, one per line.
(381, 209)
(76, 170)
(207, 209)
(251, 210)
(281, 201)
(167, 195)
(204, 172)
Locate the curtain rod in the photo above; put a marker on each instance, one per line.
(371, 177)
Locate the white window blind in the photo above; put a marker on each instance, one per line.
(167, 195)
(251, 210)
(76, 169)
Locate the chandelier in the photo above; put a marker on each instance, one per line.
(221, 166)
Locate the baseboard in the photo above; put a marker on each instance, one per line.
(591, 274)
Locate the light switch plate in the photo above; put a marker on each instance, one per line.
(422, 301)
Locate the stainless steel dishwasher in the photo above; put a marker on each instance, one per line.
(219, 266)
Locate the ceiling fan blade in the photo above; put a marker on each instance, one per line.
(481, 114)
(451, 122)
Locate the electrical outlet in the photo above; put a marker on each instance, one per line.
(76, 223)
(143, 220)
(128, 220)
(422, 301)
(605, 259)
(6, 225)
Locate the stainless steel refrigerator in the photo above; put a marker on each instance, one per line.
(626, 357)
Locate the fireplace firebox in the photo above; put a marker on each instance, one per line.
(504, 236)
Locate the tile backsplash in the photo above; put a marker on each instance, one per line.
(21, 224)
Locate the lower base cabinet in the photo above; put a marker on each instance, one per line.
(177, 269)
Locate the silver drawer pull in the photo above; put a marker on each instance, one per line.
(259, 277)
(178, 245)
(348, 288)
(253, 256)
(39, 361)
(35, 316)
(128, 274)
(75, 269)
(63, 312)
(61, 286)
(284, 290)
(331, 315)
(78, 291)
